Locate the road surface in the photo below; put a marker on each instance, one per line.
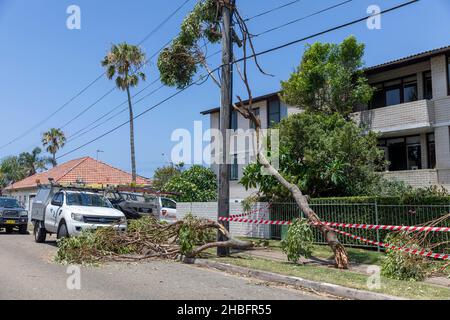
(27, 271)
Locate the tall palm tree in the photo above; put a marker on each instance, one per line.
(53, 140)
(32, 162)
(126, 60)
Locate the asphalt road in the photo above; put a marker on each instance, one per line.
(27, 271)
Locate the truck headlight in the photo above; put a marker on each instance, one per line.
(23, 213)
(77, 217)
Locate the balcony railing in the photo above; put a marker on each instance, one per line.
(397, 118)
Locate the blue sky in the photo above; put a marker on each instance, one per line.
(44, 64)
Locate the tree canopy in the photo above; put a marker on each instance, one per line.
(164, 174)
(324, 155)
(329, 79)
(198, 184)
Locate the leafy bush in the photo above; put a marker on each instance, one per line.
(401, 265)
(299, 240)
(198, 184)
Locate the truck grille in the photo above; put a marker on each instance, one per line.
(10, 214)
(102, 220)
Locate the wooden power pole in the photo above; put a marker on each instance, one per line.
(225, 119)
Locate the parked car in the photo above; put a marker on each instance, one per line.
(136, 205)
(68, 211)
(13, 215)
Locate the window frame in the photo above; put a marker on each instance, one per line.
(401, 86)
(383, 143)
(269, 123)
(424, 80)
(429, 154)
(234, 168)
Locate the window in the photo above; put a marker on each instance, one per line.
(427, 86)
(414, 153)
(87, 200)
(256, 111)
(403, 153)
(234, 172)
(410, 89)
(169, 204)
(378, 97)
(394, 92)
(234, 120)
(58, 198)
(431, 151)
(274, 112)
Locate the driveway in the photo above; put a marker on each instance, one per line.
(27, 271)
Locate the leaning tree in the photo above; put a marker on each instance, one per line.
(181, 61)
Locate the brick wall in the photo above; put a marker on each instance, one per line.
(208, 210)
(415, 178)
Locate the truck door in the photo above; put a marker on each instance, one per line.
(168, 210)
(51, 212)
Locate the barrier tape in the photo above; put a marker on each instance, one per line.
(255, 221)
(424, 253)
(387, 227)
(344, 225)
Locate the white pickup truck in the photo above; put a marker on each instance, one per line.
(67, 212)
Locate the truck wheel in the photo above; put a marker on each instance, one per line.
(62, 231)
(39, 232)
(9, 230)
(23, 229)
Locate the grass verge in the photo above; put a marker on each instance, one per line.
(411, 290)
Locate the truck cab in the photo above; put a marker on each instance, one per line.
(13, 215)
(135, 205)
(68, 212)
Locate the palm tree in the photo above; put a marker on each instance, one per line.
(126, 60)
(33, 162)
(53, 140)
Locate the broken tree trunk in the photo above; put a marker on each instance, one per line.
(340, 254)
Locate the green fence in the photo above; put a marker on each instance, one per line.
(367, 213)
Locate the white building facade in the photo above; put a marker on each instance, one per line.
(410, 109)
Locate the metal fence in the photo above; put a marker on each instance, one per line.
(367, 213)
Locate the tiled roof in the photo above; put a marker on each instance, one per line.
(409, 59)
(87, 170)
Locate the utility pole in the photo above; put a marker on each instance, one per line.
(225, 118)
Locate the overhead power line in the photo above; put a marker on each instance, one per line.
(272, 10)
(257, 35)
(237, 61)
(63, 106)
(302, 18)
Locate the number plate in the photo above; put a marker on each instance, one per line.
(10, 222)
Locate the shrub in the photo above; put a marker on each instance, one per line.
(401, 265)
(190, 236)
(299, 240)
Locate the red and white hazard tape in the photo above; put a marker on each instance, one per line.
(387, 227)
(424, 253)
(255, 221)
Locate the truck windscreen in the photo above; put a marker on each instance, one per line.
(87, 200)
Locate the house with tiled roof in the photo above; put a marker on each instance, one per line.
(85, 170)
